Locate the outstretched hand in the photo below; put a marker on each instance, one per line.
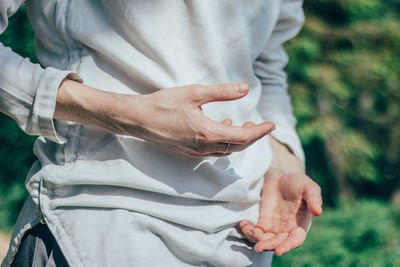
(288, 201)
(181, 125)
(171, 118)
(285, 213)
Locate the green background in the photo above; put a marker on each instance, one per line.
(344, 82)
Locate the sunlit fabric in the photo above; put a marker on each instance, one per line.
(115, 200)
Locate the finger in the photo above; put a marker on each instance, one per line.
(217, 150)
(237, 148)
(232, 148)
(245, 224)
(242, 135)
(227, 122)
(259, 234)
(202, 94)
(267, 225)
(248, 124)
(247, 230)
(218, 155)
(212, 149)
(270, 244)
(294, 240)
(242, 223)
(312, 195)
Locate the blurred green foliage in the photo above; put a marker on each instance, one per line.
(359, 234)
(16, 155)
(344, 82)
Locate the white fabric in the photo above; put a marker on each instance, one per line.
(116, 200)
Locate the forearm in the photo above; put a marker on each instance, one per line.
(87, 105)
(171, 117)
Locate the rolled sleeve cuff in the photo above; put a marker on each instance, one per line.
(45, 103)
(287, 135)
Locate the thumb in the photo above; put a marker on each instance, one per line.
(220, 92)
(312, 195)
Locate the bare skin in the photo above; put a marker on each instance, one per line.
(289, 199)
(171, 117)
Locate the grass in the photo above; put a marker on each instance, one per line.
(363, 233)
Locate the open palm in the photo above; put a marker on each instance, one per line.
(286, 208)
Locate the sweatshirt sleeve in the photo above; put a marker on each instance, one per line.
(27, 91)
(269, 67)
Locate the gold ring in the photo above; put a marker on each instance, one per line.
(227, 148)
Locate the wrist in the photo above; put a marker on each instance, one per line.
(78, 102)
(284, 161)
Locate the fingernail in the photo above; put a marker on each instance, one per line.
(242, 87)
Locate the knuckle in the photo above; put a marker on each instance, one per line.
(196, 92)
(222, 90)
(201, 135)
(205, 136)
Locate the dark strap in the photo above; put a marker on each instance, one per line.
(39, 249)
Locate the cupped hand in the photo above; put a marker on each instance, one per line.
(286, 208)
(173, 118)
